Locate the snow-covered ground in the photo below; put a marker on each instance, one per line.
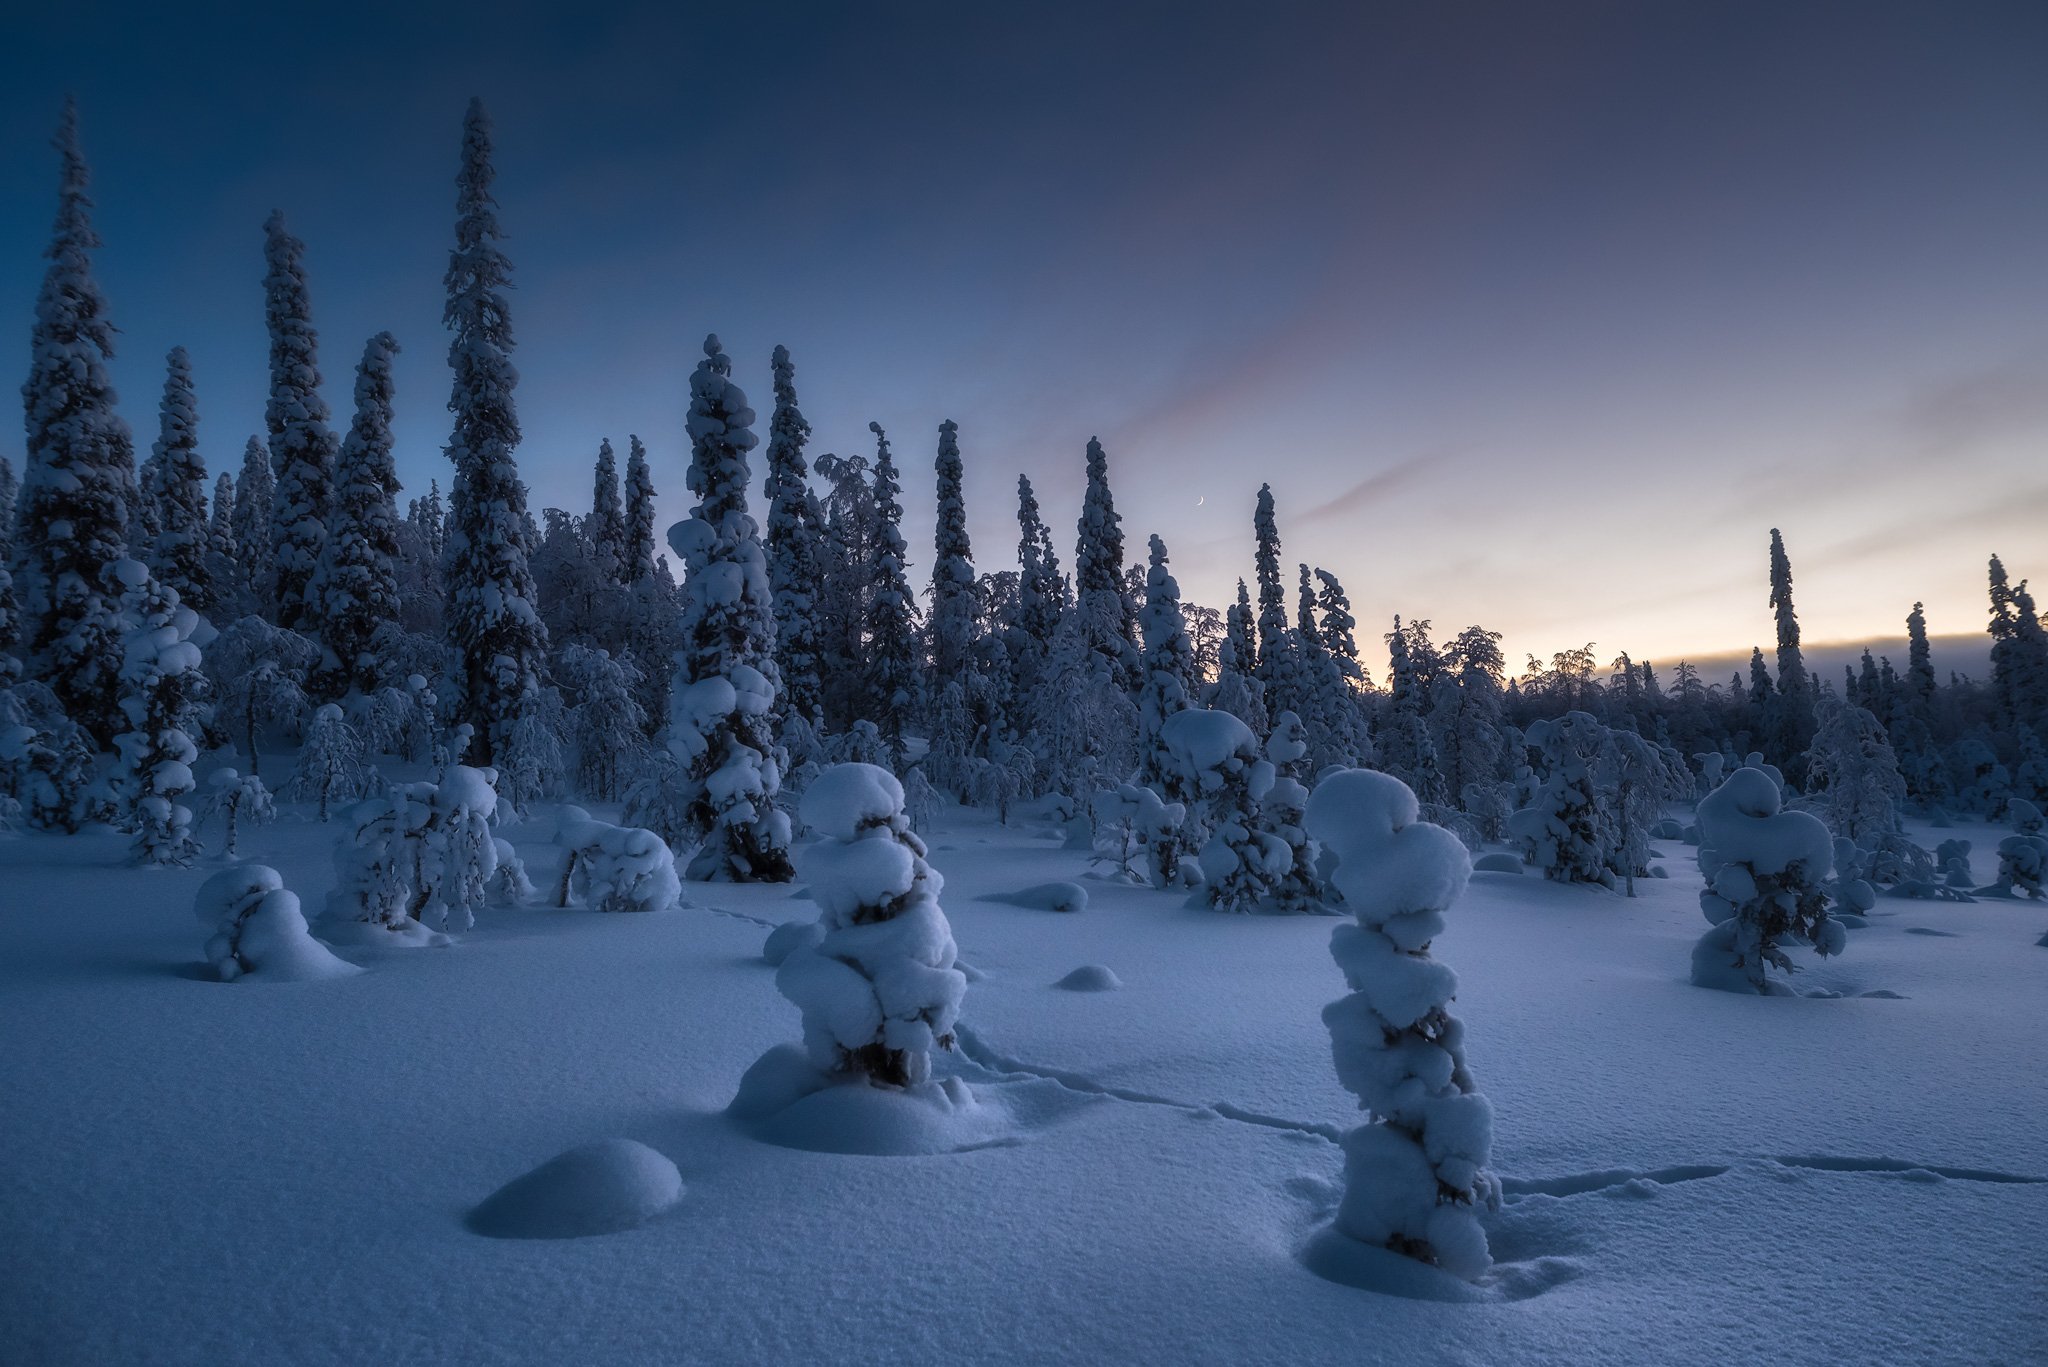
(214, 1173)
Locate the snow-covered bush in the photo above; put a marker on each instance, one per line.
(1131, 820)
(1566, 830)
(237, 798)
(1216, 755)
(420, 855)
(258, 928)
(1765, 870)
(1854, 771)
(2023, 855)
(613, 868)
(879, 991)
(331, 768)
(1415, 1171)
(258, 672)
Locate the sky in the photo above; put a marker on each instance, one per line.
(1538, 317)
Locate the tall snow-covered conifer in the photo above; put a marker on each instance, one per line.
(639, 514)
(719, 732)
(492, 622)
(1790, 722)
(255, 496)
(606, 529)
(891, 616)
(179, 559)
(302, 448)
(79, 474)
(793, 564)
(1169, 665)
(355, 587)
(953, 618)
(1108, 618)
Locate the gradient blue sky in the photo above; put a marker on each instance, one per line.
(1535, 315)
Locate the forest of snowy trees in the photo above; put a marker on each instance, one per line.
(151, 613)
(747, 680)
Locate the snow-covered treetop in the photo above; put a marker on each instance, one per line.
(721, 428)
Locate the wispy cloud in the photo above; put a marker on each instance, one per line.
(1404, 474)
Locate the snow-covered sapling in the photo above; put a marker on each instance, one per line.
(331, 769)
(1414, 1173)
(161, 689)
(258, 928)
(1765, 870)
(1216, 755)
(1566, 830)
(237, 798)
(879, 991)
(1281, 813)
(613, 868)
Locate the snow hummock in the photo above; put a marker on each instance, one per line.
(601, 1188)
(259, 929)
(1091, 978)
(1045, 897)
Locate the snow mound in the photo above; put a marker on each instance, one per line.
(848, 798)
(789, 937)
(1497, 862)
(1045, 897)
(786, 1101)
(1090, 978)
(601, 1188)
(258, 928)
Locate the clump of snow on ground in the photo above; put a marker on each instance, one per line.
(1091, 978)
(601, 1188)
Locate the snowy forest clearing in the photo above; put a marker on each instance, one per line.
(212, 1173)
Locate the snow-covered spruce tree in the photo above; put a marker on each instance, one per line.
(890, 614)
(302, 448)
(1340, 630)
(179, 559)
(1276, 640)
(952, 625)
(1566, 830)
(10, 606)
(1766, 872)
(793, 551)
(1467, 720)
(1405, 748)
(1041, 595)
(332, 768)
(1790, 721)
(606, 526)
(258, 674)
(1218, 757)
(223, 554)
(607, 727)
(1101, 597)
(46, 759)
(255, 501)
(1415, 1172)
(2019, 657)
(1854, 772)
(1083, 727)
(493, 625)
(639, 563)
(72, 519)
(1282, 814)
(725, 694)
(354, 589)
(1168, 664)
(845, 565)
(161, 692)
(879, 992)
(237, 799)
(1237, 689)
